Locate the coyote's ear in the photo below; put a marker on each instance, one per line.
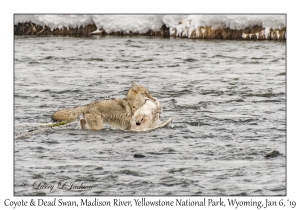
(134, 86)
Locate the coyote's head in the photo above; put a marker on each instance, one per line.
(141, 92)
(137, 96)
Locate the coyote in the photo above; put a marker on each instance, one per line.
(147, 116)
(115, 112)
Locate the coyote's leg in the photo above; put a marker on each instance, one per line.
(83, 124)
(94, 121)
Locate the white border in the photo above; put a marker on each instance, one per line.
(154, 6)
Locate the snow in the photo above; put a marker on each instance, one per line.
(182, 25)
(127, 23)
(56, 21)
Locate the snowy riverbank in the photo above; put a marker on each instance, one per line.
(271, 27)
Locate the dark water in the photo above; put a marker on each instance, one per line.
(227, 100)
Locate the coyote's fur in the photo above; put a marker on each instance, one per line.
(147, 116)
(115, 112)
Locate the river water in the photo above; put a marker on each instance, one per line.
(227, 100)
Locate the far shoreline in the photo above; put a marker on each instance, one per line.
(250, 33)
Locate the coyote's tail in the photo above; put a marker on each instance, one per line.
(68, 115)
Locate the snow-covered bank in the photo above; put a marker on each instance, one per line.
(190, 26)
